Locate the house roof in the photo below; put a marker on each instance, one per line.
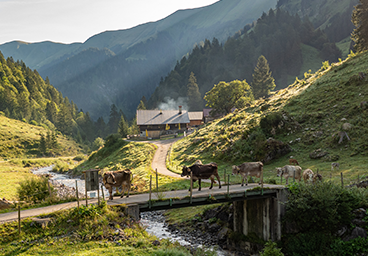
(158, 117)
(197, 115)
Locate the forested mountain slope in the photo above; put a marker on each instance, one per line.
(25, 96)
(284, 39)
(136, 58)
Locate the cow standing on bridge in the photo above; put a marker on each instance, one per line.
(199, 172)
(118, 179)
(254, 169)
(289, 171)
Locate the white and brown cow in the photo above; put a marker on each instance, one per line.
(118, 179)
(289, 171)
(308, 175)
(254, 169)
(199, 172)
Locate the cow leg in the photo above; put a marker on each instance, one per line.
(110, 192)
(218, 178)
(212, 180)
(243, 176)
(246, 180)
(128, 188)
(199, 182)
(287, 180)
(122, 191)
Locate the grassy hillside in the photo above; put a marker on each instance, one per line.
(307, 116)
(136, 156)
(21, 140)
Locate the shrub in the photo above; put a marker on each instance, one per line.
(321, 208)
(60, 166)
(356, 246)
(271, 250)
(79, 157)
(33, 190)
(308, 244)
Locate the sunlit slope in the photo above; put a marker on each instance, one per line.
(309, 117)
(21, 140)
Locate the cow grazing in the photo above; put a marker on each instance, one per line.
(293, 161)
(335, 166)
(254, 169)
(199, 172)
(308, 175)
(288, 171)
(317, 177)
(118, 179)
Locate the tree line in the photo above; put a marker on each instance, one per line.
(278, 36)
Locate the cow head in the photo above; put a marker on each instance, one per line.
(279, 171)
(317, 177)
(235, 169)
(109, 178)
(186, 171)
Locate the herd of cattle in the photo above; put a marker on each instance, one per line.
(199, 171)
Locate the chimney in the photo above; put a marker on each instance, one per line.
(160, 111)
(179, 110)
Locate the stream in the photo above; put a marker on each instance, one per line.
(154, 222)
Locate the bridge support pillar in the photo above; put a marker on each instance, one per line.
(261, 217)
(133, 211)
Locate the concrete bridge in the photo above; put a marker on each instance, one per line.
(255, 210)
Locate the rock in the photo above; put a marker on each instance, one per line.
(318, 153)
(213, 228)
(357, 232)
(5, 204)
(222, 235)
(223, 216)
(359, 222)
(360, 213)
(42, 222)
(156, 243)
(342, 231)
(209, 214)
(346, 126)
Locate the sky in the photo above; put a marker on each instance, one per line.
(69, 21)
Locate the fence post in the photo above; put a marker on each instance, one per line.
(294, 176)
(358, 178)
(150, 190)
(156, 181)
(85, 186)
(342, 180)
(18, 219)
(48, 184)
(76, 191)
(103, 194)
(225, 176)
(98, 195)
(228, 184)
(191, 186)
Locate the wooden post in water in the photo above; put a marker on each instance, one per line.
(76, 191)
(342, 180)
(156, 181)
(85, 186)
(18, 219)
(150, 190)
(191, 186)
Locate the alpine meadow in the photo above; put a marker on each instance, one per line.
(265, 101)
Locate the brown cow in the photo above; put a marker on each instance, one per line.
(293, 161)
(254, 169)
(116, 179)
(199, 172)
(317, 177)
(288, 171)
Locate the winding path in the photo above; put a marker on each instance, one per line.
(159, 159)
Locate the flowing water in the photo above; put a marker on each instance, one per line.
(154, 222)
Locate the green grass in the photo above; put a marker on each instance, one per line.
(316, 108)
(20, 140)
(87, 231)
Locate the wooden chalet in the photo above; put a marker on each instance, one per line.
(195, 118)
(154, 123)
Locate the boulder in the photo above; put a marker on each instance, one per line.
(346, 126)
(357, 232)
(318, 153)
(5, 204)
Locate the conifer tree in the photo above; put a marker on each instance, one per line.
(141, 106)
(193, 94)
(123, 127)
(114, 119)
(263, 82)
(42, 146)
(360, 21)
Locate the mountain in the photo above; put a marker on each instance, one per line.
(122, 66)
